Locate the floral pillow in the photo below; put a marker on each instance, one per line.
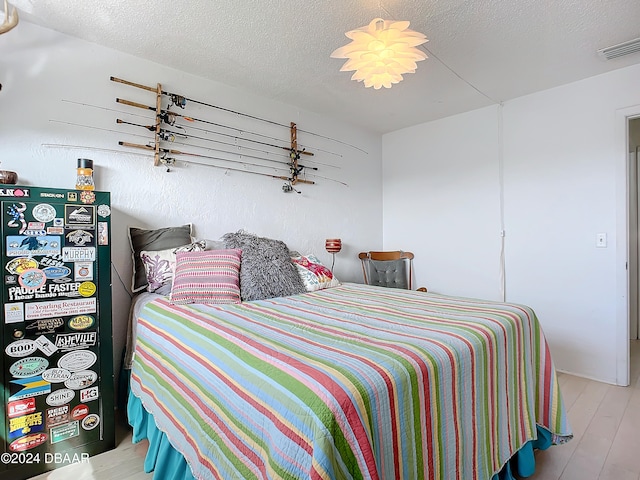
(313, 273)
(160, 265)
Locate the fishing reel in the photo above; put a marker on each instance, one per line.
(178, 100)
(288, 188)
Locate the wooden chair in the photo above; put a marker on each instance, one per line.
(387, 269)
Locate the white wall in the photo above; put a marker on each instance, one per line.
(563, 161)
(41, 71)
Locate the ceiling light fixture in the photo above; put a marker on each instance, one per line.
(381, 52)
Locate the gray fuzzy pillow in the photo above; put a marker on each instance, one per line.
(266, 270)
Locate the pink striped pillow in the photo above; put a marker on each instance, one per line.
(211, 276)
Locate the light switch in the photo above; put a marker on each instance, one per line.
(601, 240)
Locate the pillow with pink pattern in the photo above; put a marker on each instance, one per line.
(313, 273)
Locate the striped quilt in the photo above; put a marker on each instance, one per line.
(352, 382)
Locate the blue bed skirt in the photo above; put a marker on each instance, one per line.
(169, 464)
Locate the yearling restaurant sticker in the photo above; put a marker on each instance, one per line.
(59, 308)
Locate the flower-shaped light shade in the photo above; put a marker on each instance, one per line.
(381, 52)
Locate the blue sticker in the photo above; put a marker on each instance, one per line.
(22, 245)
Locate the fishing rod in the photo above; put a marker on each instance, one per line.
(169, 135)
(181, 101)
(152, 128)
(168, 114)
(303, 151)
(170, 161)
(178, 152)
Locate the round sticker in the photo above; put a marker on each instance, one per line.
(86, 289)
(32, 278)
(90, 422)
(44, 212)
(81, 322)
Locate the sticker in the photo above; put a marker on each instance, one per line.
(83, 379)
(10, 279)
(35, 226)
(26, 424)
(79, 238)
(57, 415)
(56, 375)
(56, 272)
(59, 308)
(51, 290)
(32, 279)
(83, 271)
(28, 367)
(79, 254)
(58, 222)
(79, 412)
(60, 397)
(28, 387)
(87, 197)
(54, 260)
(77, 360)
(72, 196)
(21, 407)
(89, 394)
(20, 264)
(46, 325)
(45, 345)
(86, 289)
(103, 233)
(81, 322)
(74, 341)
(44, 212)
(90, 421)
(28, 442)
(21, 348)
(16, 212)
(77, 216)
(21, 245)
(51, 195)
(14, 192)
(65, 432)
(104, 211)
(55, 231)
(13, 312)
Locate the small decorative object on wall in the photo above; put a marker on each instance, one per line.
(381, 52)
(8, 177)
(290, 171)
(333, 246)
(84, 177)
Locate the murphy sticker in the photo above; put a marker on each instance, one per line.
(75, 341)
(78, 216)
(79, 254)
(22, 245)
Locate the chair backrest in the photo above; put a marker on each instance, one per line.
(387, 269)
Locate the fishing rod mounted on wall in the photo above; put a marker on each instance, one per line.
(169, 117)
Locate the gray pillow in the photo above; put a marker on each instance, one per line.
(266, 270)
(157, 239)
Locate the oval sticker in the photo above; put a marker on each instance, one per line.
(77, 360)
(28, 367)
(56, 272)
(32, 278)
(82, 379)
(81, 322)
(56, 375)
(90, 421)
(79, 412)
(60, 397)
(28, 442)
(20, 264)
(21, 348)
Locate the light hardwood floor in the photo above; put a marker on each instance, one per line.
(605, 420)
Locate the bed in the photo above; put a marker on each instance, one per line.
(349, 382)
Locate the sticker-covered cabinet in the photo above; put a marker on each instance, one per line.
(57, 367)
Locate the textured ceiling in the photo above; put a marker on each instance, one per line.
(480, 51)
